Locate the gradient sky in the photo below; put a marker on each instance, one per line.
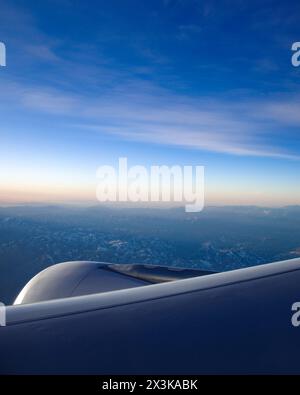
(186, 82)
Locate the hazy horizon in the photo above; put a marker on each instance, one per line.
(166, 206)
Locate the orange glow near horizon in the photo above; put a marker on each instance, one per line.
(87, 194)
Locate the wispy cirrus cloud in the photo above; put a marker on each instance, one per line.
(84, 88)
(143, 112)
(43, 52)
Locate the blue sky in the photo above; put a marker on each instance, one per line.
(185, 82)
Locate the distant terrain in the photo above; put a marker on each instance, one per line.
(219, 238)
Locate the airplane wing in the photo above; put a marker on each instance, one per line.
(95, 318)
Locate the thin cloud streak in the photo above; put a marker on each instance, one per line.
(154, 115)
